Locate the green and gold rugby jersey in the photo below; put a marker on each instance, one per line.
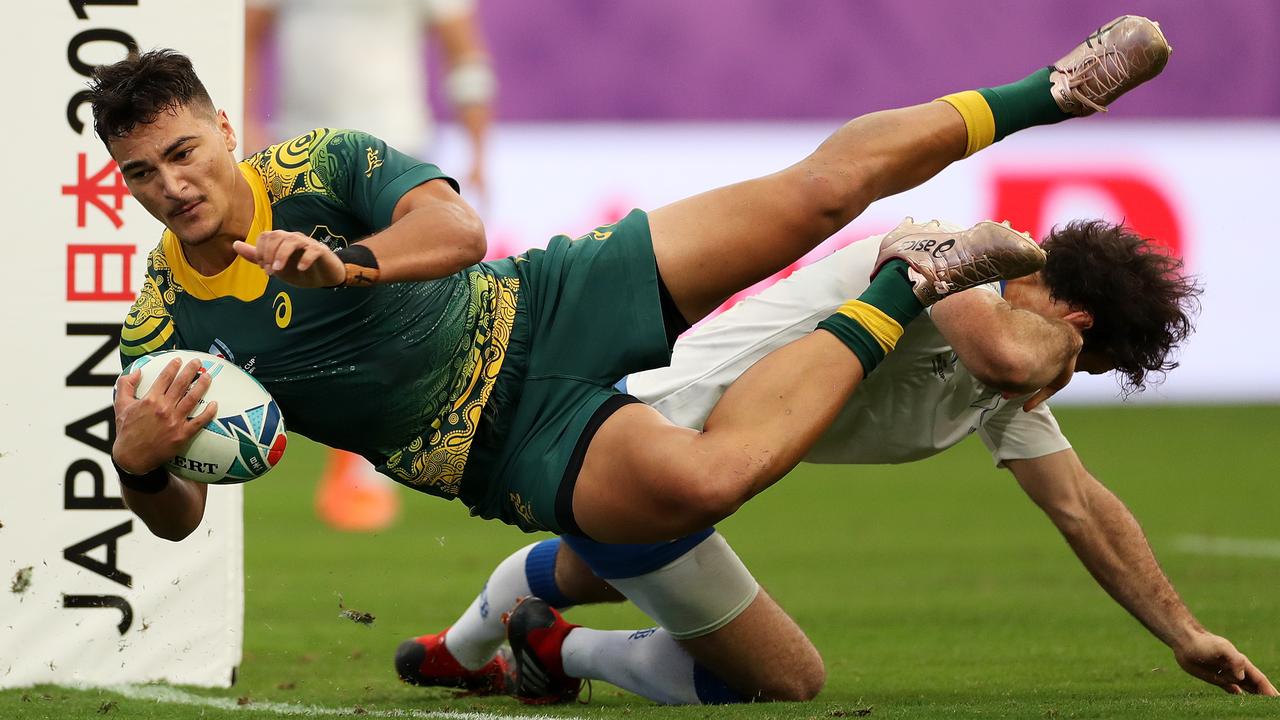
(398, 373)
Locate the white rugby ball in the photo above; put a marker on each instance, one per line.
(247, 437)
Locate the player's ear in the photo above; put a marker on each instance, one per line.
(228, 132)
(1079, 319)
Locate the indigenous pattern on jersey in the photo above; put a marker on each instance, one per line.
(396, 371)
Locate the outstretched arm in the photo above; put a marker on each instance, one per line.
(1107, 539)
(434, 233)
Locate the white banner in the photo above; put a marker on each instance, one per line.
(88, 594)
(1200, 187)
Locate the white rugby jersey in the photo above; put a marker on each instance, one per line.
(357, 64)
(918, 402)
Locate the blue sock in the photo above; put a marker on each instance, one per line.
(711, 689)
(540, 571)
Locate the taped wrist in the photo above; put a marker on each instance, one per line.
(361, 265)
(149, 483)
(471, 83)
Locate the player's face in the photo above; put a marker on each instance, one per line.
(1093, 363)
(181, 169)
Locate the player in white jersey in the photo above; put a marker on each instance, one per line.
(361, 64)
(980, 362)
(922, 386)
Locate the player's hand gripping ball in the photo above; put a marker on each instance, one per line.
(246, 439)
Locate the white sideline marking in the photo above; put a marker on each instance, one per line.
(1231, 547)
(163, 694)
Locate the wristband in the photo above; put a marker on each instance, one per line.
(149, 483)
(361, 265)
(471, 83)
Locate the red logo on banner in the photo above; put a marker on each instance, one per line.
(97, 291)
(91, 190)
(1023, 198)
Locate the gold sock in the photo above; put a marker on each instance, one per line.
(978, 118)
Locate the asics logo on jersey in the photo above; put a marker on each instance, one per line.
(937, 248)
(283, 308)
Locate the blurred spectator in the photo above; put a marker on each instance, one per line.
(361, 64)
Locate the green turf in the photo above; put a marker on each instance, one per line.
(932, 590)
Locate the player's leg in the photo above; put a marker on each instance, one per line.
(351, 496)
(467, 653)
(716, 243)
(762, 654)
(643, 479)
(722, 639)
(740, 644)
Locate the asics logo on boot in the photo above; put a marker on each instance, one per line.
(933, 247)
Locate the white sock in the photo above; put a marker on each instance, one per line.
(476, 636)
(646, 662)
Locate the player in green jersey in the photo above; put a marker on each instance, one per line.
(335, 186)
(493, 382)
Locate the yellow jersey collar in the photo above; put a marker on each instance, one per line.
(241, 279)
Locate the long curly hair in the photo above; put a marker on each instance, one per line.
(137, 89)
(1143, 305)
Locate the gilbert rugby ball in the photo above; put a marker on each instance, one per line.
(243, 442)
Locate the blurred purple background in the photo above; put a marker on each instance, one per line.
(776, 59)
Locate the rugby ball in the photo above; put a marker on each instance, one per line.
(247, 437)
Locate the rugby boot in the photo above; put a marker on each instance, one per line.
(427, 661)
(536, 633)
(945, 262)
(352, 497)
(1120, 56)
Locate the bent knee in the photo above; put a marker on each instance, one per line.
(832, 193)
(799, 684)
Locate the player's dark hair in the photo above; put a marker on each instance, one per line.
(1142, 304)
(137, 89)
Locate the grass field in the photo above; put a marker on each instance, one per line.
(934, 590)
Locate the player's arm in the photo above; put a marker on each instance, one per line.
(150, 430)
(433, 233)
(1007, 349)
(1107, 539)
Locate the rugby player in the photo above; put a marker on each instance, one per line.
(1106, 301)
(493, 382)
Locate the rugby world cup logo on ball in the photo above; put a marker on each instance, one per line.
(246, 439)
